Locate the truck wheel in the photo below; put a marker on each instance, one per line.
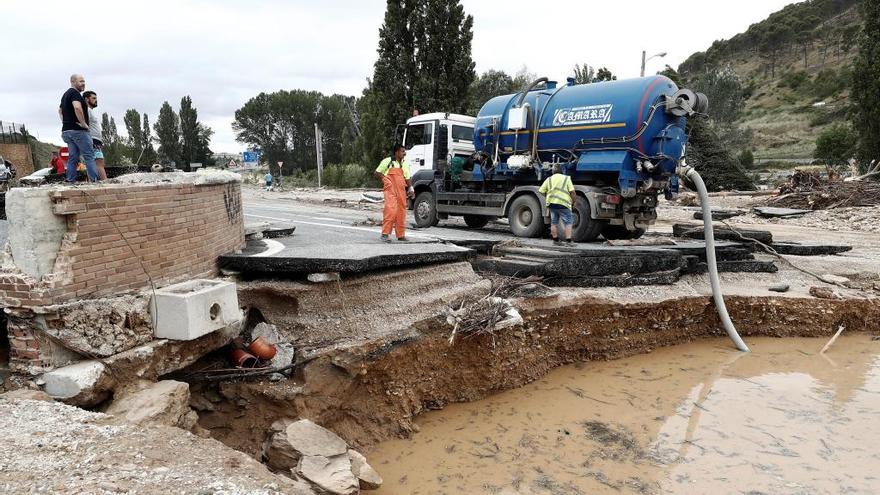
(584, 228)
(476, 221)
(525, 217)
(424, 210)
(615, 232)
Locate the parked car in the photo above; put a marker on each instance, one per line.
(36, 178)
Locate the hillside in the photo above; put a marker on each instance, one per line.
(795, 68)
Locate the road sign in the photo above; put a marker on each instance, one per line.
(251, 156)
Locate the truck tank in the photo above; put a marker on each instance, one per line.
(629, 133)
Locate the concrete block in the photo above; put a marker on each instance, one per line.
(35, 231)
(189, 310)
(85, 383)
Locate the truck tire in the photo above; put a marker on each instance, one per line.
(476, 221)
(616, 232)
(584, 228)
(525, 217)
(424, 210)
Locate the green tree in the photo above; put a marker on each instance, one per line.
(836, 144)
(490, 84)
(167, 129)
(132, 120)
(583, 74)
(866, 83)
(707, 153)
(113, 146)
(424, 65)
(148, 156)
(604, 74)
(189, 131)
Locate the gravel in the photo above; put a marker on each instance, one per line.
(49, 447)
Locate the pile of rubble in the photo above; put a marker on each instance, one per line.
(809, 190)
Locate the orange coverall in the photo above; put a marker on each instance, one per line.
(394, 211)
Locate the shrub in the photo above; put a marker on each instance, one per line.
(746, 158)
(345, 176)
(794, 80)
(836, 144)
(828, 83)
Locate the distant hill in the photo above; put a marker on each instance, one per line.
(795, 66)
(42, 153)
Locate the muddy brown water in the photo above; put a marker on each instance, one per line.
(693, 418)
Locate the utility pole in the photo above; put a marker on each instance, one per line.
(642, 73)
(318, 152)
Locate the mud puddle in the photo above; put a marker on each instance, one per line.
(693, 418)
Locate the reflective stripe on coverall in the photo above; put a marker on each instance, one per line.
(394, 211)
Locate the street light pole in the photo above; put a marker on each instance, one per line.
(661, 55)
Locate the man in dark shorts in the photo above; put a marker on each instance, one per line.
(95, 131)
(75, 129)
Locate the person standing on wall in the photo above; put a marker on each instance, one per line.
(75, 129)
(95, 132)
(396, 186)
(560, 195)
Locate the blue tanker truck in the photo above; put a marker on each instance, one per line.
(620, 141)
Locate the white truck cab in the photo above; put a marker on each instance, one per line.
(437, 136)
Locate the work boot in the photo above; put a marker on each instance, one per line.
(568, 242)
(557, 242)
(384, 238)
(403, 239)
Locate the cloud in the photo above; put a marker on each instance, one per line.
(222, 53)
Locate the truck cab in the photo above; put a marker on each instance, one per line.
(432, 140)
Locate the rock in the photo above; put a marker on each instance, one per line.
(824, 293)
(27, 394)
(284, 355)
(778, 288)
(83, 384)
(291, 440)
(267, 331)
(163, 403)
(835, 279)
(330, 474)
(368, 478)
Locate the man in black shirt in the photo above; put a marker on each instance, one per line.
(75, 129)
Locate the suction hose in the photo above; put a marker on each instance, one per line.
(687, 171)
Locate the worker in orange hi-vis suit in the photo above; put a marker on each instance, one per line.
(397, 186)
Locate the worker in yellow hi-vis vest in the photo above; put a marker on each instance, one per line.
(396, 186)
(560, 195)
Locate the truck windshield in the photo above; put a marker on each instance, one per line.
(462, 133)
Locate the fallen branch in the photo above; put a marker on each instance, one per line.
(839, 331)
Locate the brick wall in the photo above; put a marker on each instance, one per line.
(20, 156)
(119, 236)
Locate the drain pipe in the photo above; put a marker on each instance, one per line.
(685, 170)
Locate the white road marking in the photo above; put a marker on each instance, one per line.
(275, 247)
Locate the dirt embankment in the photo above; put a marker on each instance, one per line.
(372, 392)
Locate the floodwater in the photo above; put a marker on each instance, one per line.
(690, 419)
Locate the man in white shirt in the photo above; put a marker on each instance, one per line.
(95, 132)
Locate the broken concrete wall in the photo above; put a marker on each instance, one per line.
(119, 238)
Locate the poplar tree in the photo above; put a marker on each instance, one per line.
(167, 129)
(424, 65)
(189, 131)
(866, 83)
(149, 155)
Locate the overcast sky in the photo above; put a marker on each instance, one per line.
(223, 52)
